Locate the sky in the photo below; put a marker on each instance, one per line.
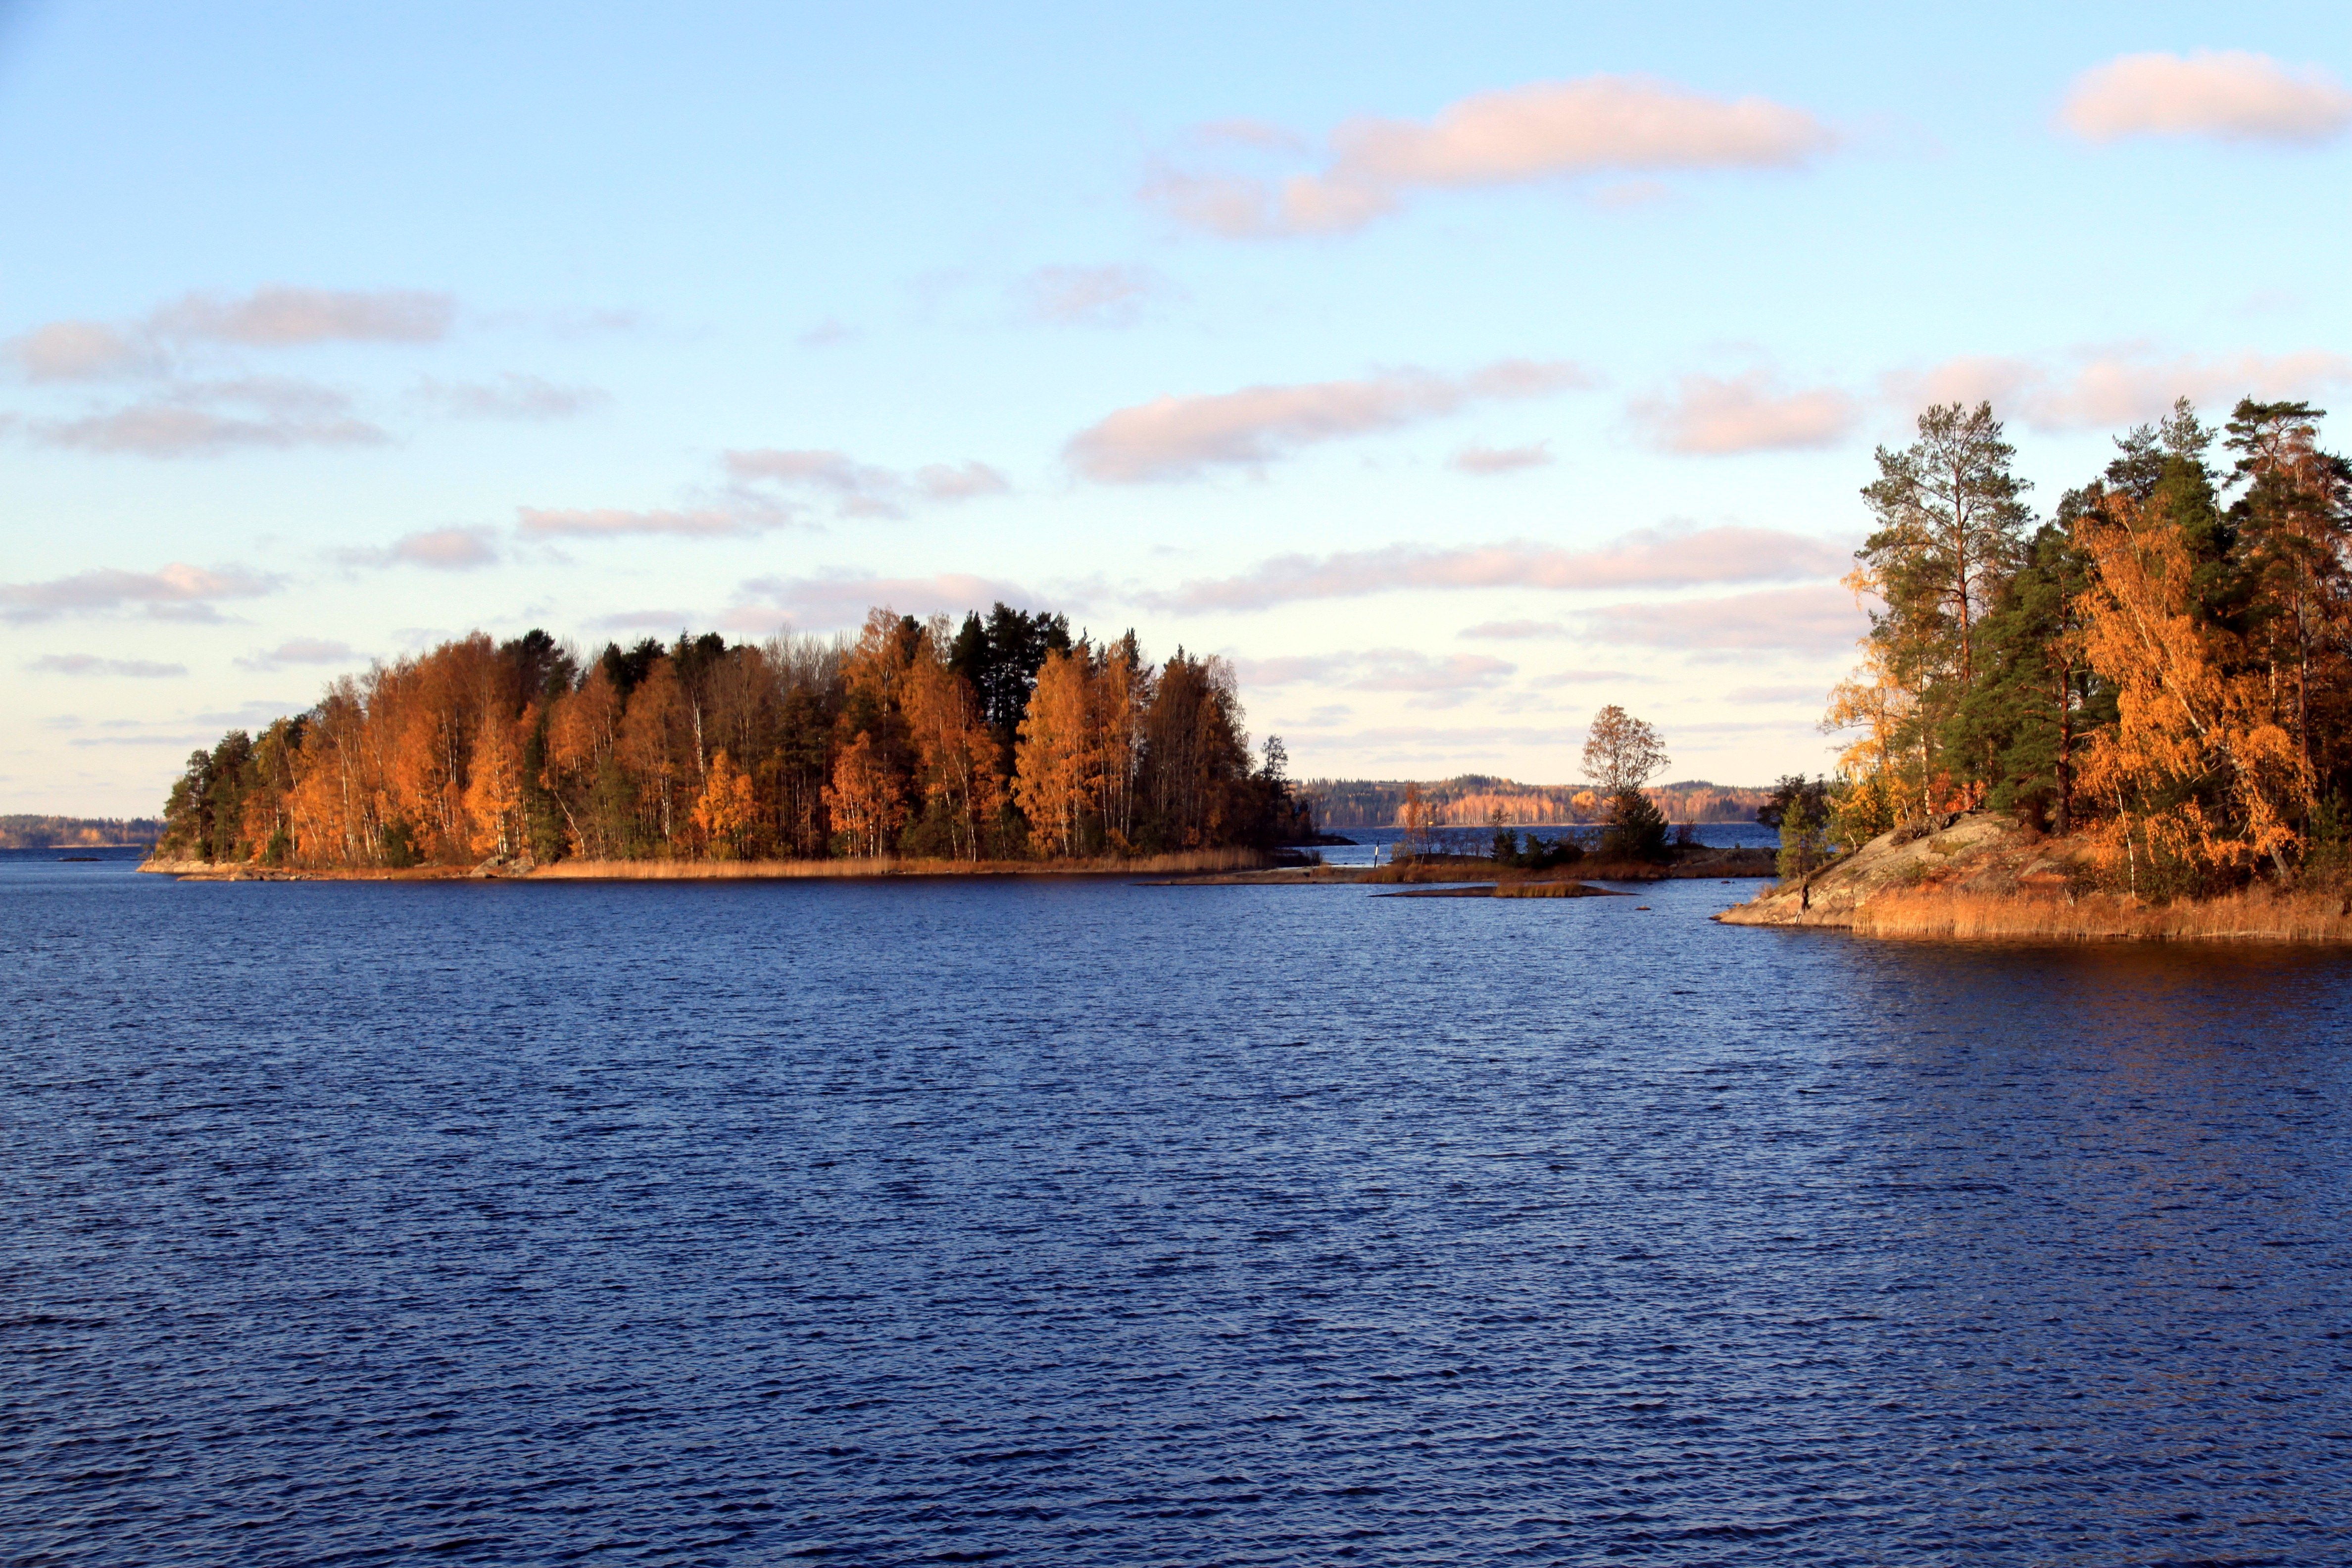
(1451, 371)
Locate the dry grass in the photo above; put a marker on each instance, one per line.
(2256, 915)
(1553, 891)
(734, 870)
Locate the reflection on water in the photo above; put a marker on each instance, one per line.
(1080, 1222)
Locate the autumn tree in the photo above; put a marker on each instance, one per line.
(494, 783)
(963, 788)
(1056, 757)
(2203, 778)
(865, 800)
(725, 810)
(1621, 751)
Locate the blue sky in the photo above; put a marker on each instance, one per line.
(1454, 375)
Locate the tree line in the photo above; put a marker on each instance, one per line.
(1002, 738)
(2162, 667)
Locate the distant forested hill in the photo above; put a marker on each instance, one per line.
(76, 832)
(1471, 800)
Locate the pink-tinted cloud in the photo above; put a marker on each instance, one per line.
(207, 418)
(445, 549)
(1181, 437)
(1544, 130)
(1512, 631)
(2228, 94)
(1748, 413)
(178, 590)
(1810, 694)
(1428, 680)
(275, 317)
(1814, 619)
(1649, 557)
(621, 522)
(511, 397)
(830, 600)
(91, 664)
(1486, 461)
(281, 316)
(831, 332)
(959, 481)
(644, 620)
(300, 651)
(80, 350)
(1115, 296)
(165, 430)
(2113, 390)
(861, 490)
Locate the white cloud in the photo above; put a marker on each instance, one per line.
(90, 664)
(1181, 437)
(1647, 558)
(1746, 414)
(1543, 131)
(176, 592)
(1487, 460)
(2229, 94)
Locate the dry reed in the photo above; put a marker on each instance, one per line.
(2253, 915)
(1552, 890)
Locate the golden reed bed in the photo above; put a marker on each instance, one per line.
(705, 870)
(2255, 915)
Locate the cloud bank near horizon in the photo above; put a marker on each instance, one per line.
(1646, 558)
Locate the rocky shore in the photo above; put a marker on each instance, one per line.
(1985, 876)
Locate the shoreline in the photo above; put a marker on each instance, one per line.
(1198, 868)
(1203, 861)
(1985, 877)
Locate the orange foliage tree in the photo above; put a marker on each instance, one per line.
(2197, 767)
(1056, 759)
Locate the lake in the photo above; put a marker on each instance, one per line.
(1071, 1221)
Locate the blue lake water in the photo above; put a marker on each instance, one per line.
(1078, 1222)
